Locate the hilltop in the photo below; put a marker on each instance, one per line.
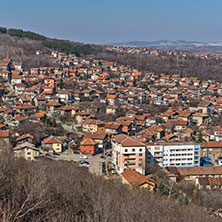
(21, 46)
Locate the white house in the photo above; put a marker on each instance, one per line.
(65, 96)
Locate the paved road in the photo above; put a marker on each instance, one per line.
(95, 161)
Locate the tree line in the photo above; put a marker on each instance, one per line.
(67, 47)
(55, 44)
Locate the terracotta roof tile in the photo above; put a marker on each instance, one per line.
(136, 179)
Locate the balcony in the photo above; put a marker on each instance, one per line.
(131, 164)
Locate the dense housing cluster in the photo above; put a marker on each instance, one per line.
(101, 108)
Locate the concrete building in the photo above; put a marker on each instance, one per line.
(174, 154)
(155, 154)
(181, 155)
(128, 153)
(27, 151)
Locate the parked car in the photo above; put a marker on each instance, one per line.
(83, 161)
(84, 164)
(83, 157)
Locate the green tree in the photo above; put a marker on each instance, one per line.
(61, 84)
(44, 118)
(54, 123)
(33, 102)
(200, 138)
(48, 122)
(26, 34)
(183, 200)
(162, 188)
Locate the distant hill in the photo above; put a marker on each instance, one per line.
(180, 45)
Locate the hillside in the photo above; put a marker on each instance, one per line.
(190, 66)
(23, 50)
(61, 191)
(21, 46)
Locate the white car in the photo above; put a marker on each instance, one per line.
(83, 157)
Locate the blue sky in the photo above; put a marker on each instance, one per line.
(103, 21)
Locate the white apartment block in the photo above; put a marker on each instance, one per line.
(155, 154)
(178, 155)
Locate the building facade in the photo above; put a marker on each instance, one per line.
(128, 153)
(181, 155)
(171, 154)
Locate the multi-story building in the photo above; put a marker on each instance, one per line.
(155, 153)
(181, 155)
(128, 153)
(212, 149)
(174, 154)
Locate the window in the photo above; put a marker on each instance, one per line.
(90, 146)
(140, 150)
(140, 154)
(133, 150)
(140, 164)
(140, 160)
(126, 150)
(28, 153)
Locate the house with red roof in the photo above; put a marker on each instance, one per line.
(53, 143)
(113, 100)
(138, 180)
(4, 136)
(88, 146)
(128, 153)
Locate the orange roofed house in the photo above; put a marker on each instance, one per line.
(128, 153)
(4, 137)
(113, 100)
(136, 179)
(53, 143)
(89, 146)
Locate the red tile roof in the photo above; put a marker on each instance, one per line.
(51, 140)
(136, 179)
(127, 141)
(4, 133)
(88, 142)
